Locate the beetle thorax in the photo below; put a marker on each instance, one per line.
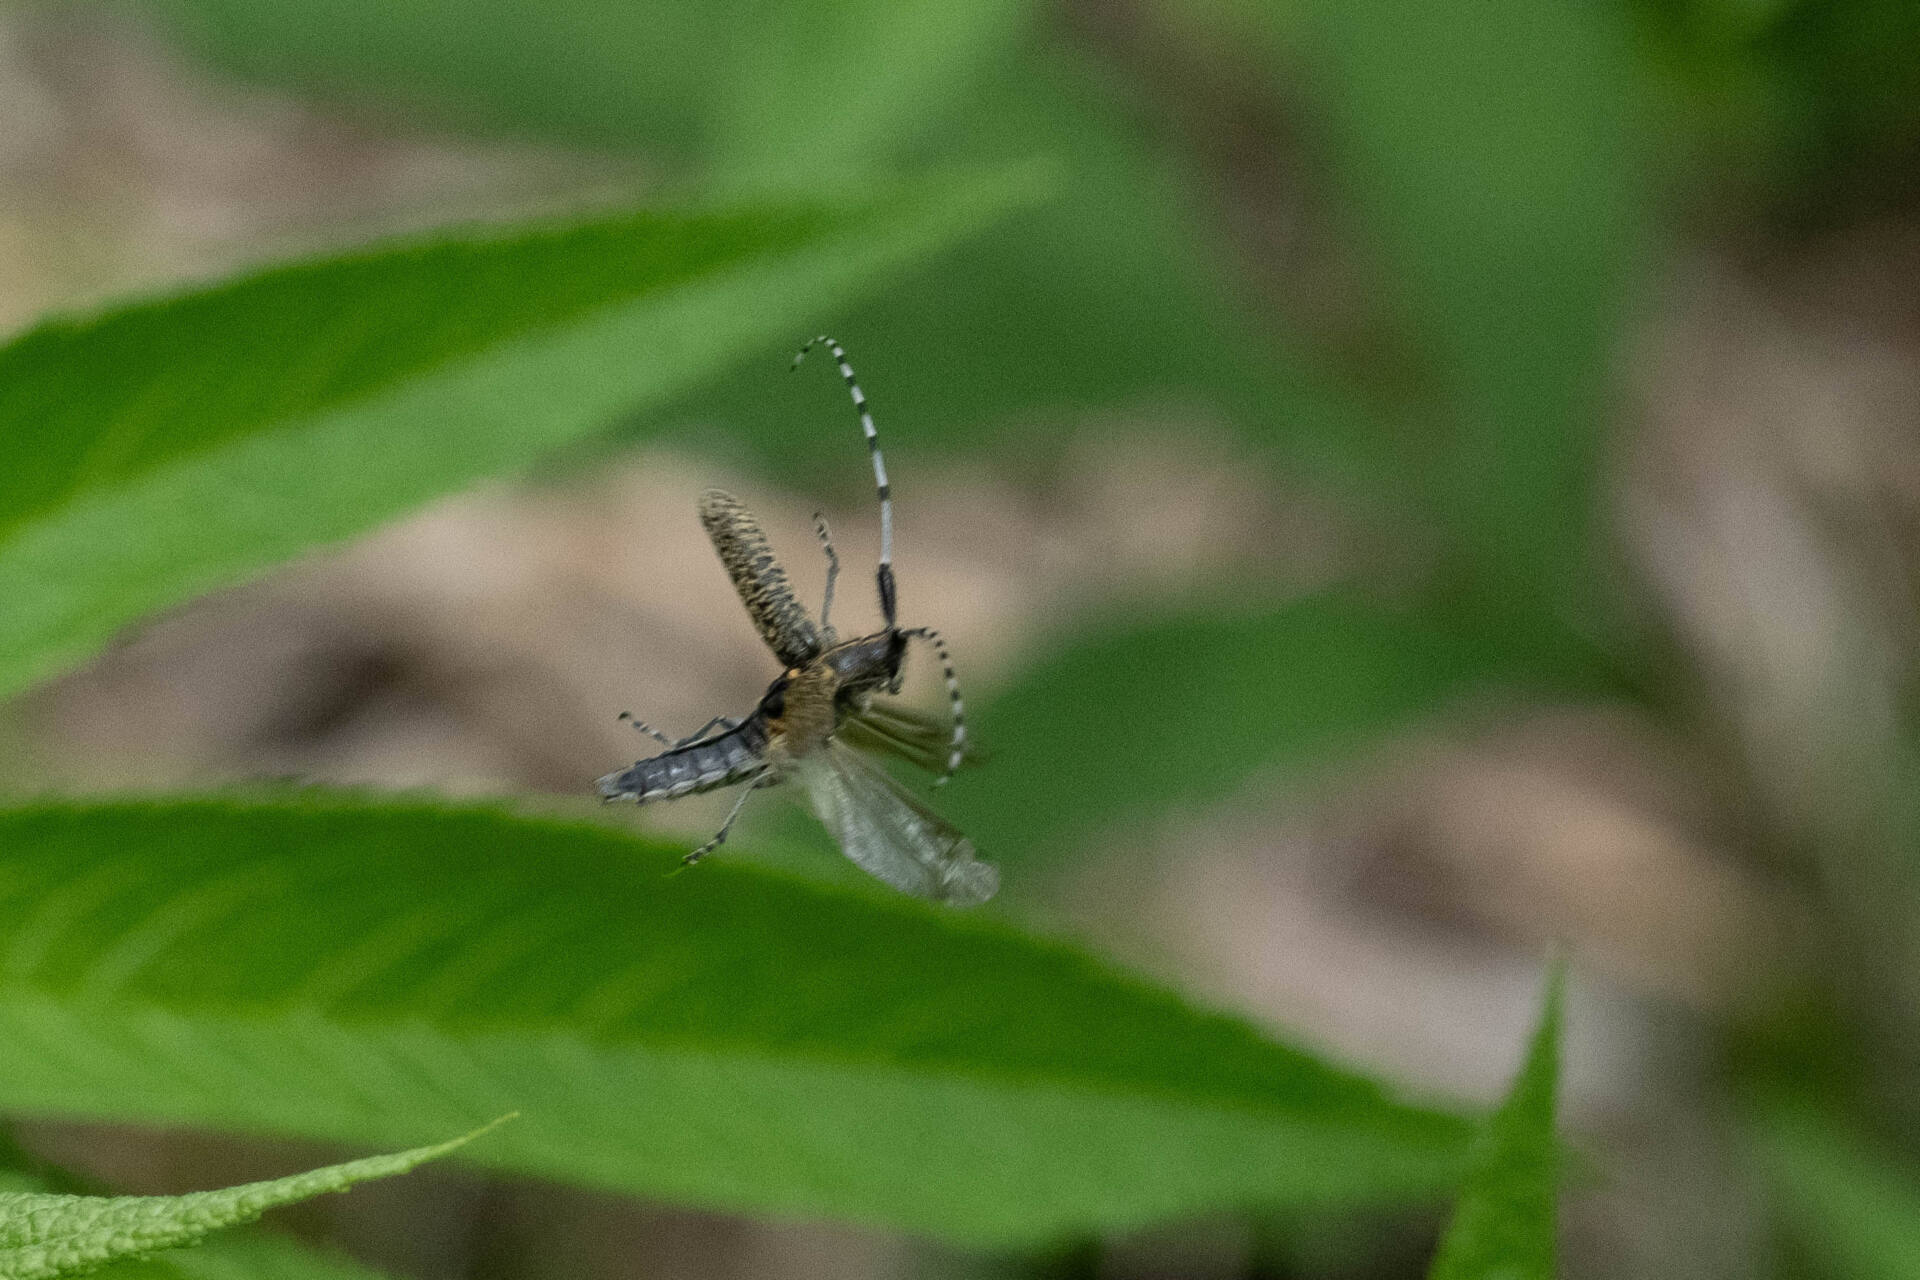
(868, 664)
(807, 714)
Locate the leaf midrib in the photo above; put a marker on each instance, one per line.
(823, 1053)
(1441, 1129)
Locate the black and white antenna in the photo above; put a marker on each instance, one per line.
(889, 603)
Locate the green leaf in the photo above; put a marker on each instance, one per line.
(1503, 1227)
(1855, 1203)
(43, 1235)
(730, 1037)
(239, 1254)
(1493, 148)
(1142, 715)
(168, 447)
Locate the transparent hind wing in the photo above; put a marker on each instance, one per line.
(888, 833)
(912, 735)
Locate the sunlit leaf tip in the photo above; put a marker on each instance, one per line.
(44, 1235)
(1503, 1227)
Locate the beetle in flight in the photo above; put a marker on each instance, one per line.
(831, 705)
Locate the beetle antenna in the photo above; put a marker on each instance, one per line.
(889, 600)
(957, 744)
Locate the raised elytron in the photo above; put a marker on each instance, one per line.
(831, 703)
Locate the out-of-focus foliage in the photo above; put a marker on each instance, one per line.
(1791, 96)
(1111, 293)
(1852, 1207)
(1499, 175)
(768, 90)
(1134, 717)
(242, 1255)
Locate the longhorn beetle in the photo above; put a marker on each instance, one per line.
(830, 699)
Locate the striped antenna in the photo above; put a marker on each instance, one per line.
(888, 594)
(957, 745)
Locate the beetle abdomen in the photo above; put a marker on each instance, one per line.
(736, 756)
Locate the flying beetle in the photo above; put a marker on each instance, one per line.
(833, 703)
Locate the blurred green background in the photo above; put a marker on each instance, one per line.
(1431, 481)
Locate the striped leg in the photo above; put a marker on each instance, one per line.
(889, 601)
(957, 746)
(720, 722)
(724, 724)
(646, 728)
(720, 836)
(827, 634)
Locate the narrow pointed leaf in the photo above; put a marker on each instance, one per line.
(729, 1037)
(245, 1253)
(1503, 1227)
(44, 1236)
(165, 447)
